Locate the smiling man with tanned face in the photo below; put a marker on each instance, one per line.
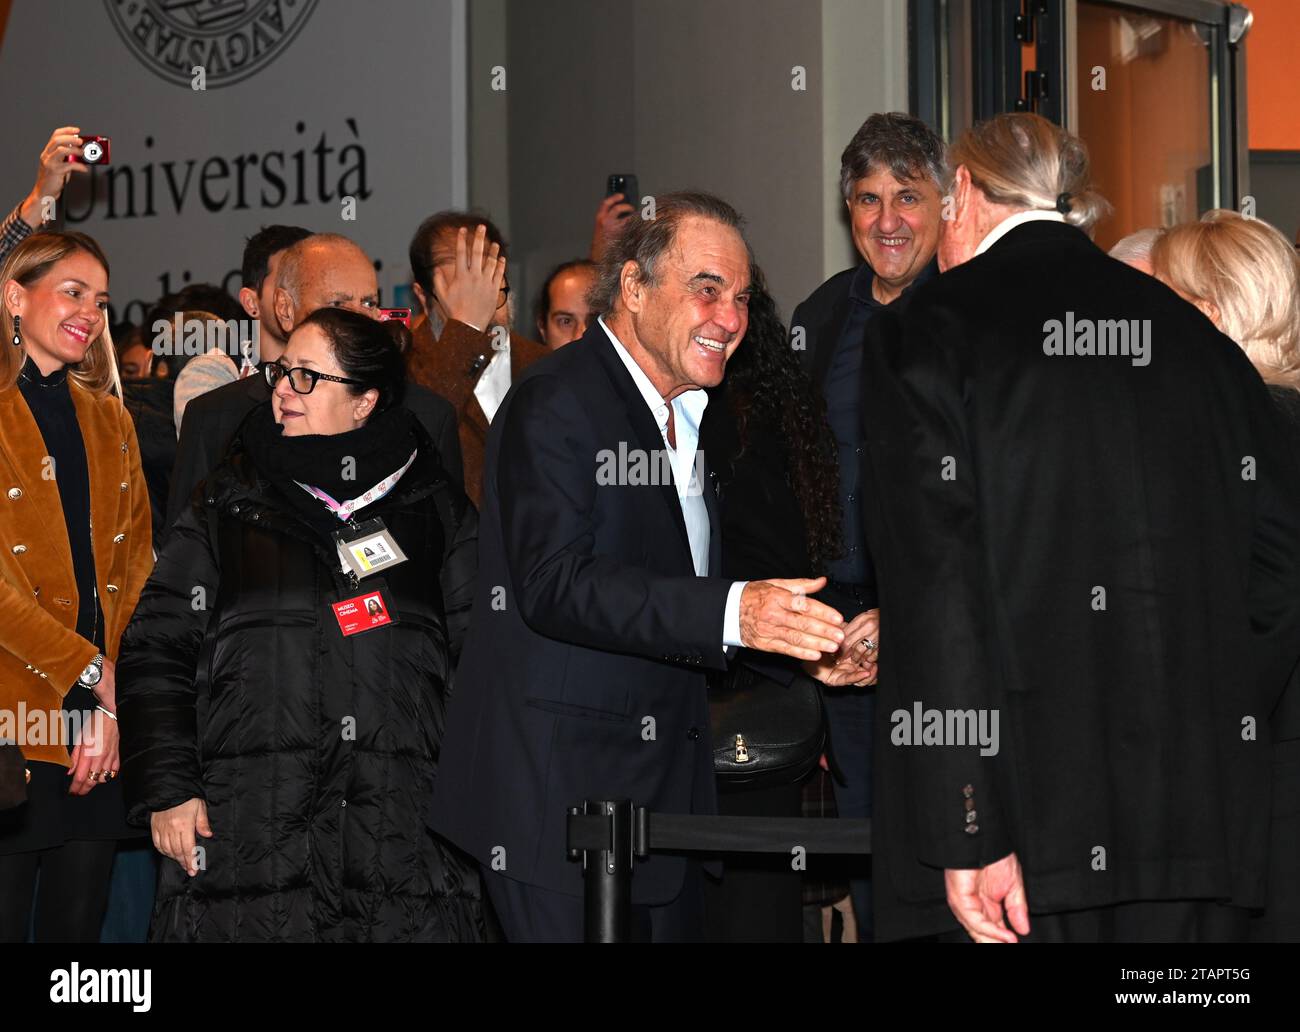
(613, 606)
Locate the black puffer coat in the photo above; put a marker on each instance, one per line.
(315, 753)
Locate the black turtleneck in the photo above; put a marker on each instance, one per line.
(50, 401)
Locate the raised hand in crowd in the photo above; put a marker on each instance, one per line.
(53, 173)
(778, 616)
(469, 289)
(610, 216)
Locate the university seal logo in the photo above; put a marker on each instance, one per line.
(230, 39)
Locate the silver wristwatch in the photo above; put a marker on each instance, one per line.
(90, 677)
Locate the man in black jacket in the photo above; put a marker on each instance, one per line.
(1088, 549)
(890, 175)
(596, 614)
(321, 270)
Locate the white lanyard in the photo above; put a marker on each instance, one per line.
(344, 510)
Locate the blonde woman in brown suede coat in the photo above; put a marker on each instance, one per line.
(74, 554)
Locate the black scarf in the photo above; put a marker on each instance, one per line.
(377, 449)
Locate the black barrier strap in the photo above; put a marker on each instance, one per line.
(655, 832)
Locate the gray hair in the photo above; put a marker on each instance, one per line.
(1136, 247)
(645, 241)
(288, 274)
(1022, 160)
(904, 146)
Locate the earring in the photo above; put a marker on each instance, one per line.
(18, 332)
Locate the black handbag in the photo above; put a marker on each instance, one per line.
(765, 732)
(13, 776)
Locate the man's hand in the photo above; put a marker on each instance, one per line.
(470, 288)
(53, 172)
(175, 832)
(778, 616)
(977, 898)
(610, 216)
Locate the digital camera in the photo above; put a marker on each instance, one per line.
(95, 150)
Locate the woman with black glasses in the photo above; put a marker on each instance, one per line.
(282, 687)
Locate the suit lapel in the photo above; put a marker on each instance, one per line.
(711, 503)
(27, 466)
(649, 439)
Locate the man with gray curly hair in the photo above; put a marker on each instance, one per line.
(891, 176)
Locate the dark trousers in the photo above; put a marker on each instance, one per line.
(850, 715)
(529, 913)
(70, 900)
(760, 895)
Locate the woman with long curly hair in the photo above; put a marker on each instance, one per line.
(766, 438)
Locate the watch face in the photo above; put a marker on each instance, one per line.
(92, 674)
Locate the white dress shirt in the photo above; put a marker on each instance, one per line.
(494, 384)
(688, 412)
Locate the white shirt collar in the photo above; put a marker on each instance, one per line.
(691, 404)
(1012, 221)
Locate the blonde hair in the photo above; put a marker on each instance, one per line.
(28, 263)
(1025, 161)
(1250, 272)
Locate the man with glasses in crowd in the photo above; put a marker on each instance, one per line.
(323, 270)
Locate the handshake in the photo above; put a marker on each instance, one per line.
(778, 616)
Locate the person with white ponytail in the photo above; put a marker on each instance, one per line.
(1087, 525)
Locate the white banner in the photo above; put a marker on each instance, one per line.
(227, 115)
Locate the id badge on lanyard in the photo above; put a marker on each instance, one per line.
(368, 548)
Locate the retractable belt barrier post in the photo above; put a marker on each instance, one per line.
(606, 835)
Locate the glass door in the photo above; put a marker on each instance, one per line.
(1155, 87)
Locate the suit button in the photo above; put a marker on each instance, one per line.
(19, 549)
(125, 485)
(119, 539)
(693, 733)
(112, 588)
(234, 510)
(123, 447)
(15, 493)
(971, 829)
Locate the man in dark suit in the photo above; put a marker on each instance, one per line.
(596, 615)
(321, 270)
(891, 176)
(1088, 549)
(463, 348)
